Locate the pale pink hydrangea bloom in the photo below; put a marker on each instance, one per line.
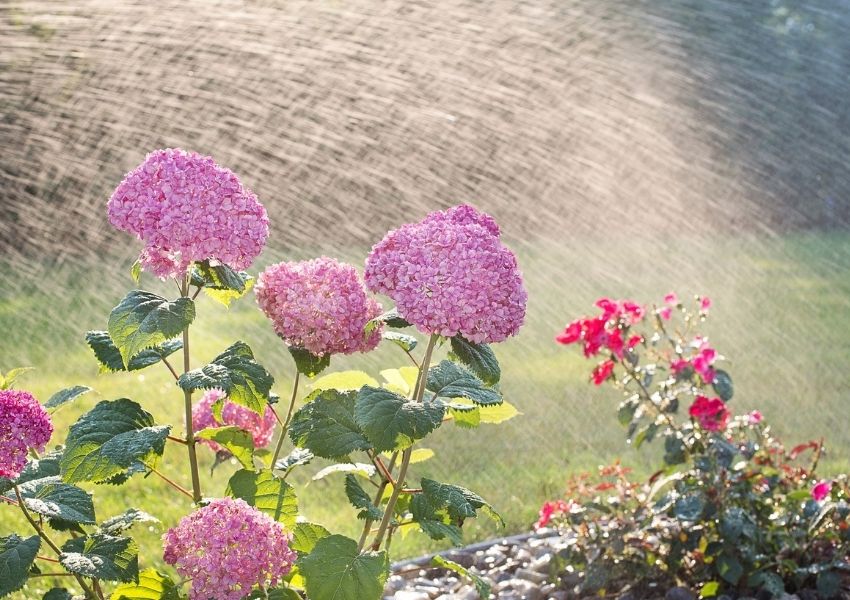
(24, 424)
(186, 208)
(227, 547)
(450, 274)
(319, 305)
(260, 428)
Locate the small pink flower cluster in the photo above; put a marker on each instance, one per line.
(187, 208)
(260, 428)
(226, 548)
(605, 331)
(450, 274)
(319, 305)
(701, 362)
(24, 424)
(553, 509)
(710, 413)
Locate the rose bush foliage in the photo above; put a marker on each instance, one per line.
(201, 228)
(730, 510)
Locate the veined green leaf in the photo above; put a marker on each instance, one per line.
(238, 442)
(478, 358)
(450, 380)
(326, 425)
(143, 320)
(334, 570)
(392, 422)
(267, 493)
(102, 556)
(16, 556)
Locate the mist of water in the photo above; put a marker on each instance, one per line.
(627, 148)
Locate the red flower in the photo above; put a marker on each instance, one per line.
(571, 334)
(602, 371)
(710, 413)
(702, 363)
(551, 509)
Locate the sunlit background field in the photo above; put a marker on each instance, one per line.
(627, 149)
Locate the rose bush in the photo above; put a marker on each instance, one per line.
(730, 510)
(201, 228)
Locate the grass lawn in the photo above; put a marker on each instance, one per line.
(782, 316)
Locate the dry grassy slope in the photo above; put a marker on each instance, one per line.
(543, 112)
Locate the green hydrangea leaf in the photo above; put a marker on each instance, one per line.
(220, 282)
(459, 502)
(16, 556)
(54, 499)
(298, 457)
(393, 422)
(363, 469)
(466, 418)
(58, 594)
(136, 272)
(360, 499)
(110, 360)
(143, 320)
(729, 568)
(235, 371)
(63, 396)
(152, 585)
(309, 364)
(109, 440)
(102, 556)
(305, 536)
(450, 380)
(267, 493)
(326, 425)
(120, 523)
(404, 341)
(478, 358)
(238, 442)
(481, 585)
(392, 318)
(334, 570)
(343, 381)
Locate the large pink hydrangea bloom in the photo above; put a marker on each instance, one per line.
(24, 424)
(186, 208)
(226, 548)
(260, 428)
(319, 305)
(450, 274)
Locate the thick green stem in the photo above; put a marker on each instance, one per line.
(285, 425)
(43, 535)
(367, 527)
(187, 404)
(419, 392)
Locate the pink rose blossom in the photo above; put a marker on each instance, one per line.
(450, 274)
(754, 418)
(260, 428)
(710, 413)
(679, 365)
(702, 363)
(705, 304)
(671, 299)
(186, 208)
(24, 424)
(602, 371)
(665, 313)
(821, 490)
(227, 547)
(319, 305)
(605, 330)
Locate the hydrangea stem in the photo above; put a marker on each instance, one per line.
(43, 535)
(284, 427)
(419, 392)
(187, 402)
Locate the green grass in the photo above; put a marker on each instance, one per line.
(782, 317)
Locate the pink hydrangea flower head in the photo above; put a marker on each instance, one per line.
(821, 490)
(261, 428)
(319, 305)
(710, 413)
(186, 208)
(450, 274)
(227, 547)
(24, 424)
